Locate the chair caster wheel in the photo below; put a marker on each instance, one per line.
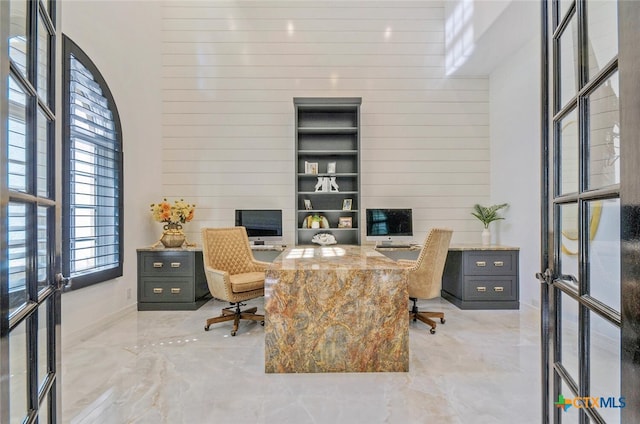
(442, 320)
(262, 323)
(206, 328)
(233, 333)
(432, 331)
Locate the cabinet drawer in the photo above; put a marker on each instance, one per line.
(174, 263)
(490, 288)
(162, 290)
(490, 263)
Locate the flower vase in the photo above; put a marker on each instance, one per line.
(172, 235)
(486, 237)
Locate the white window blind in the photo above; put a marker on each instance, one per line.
(94, 177)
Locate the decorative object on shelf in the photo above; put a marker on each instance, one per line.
(326, 184)
(324, 239)
(346, 204)
(315, 221)
(333, 185)
(173, 215)
(331, 168)
(310, 167)
(486, 215)
(345, 222)
(307, 204)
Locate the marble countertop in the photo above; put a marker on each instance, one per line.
(333, 257)
(476, 246)
(169, 249)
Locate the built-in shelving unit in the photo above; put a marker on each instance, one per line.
(328, 132)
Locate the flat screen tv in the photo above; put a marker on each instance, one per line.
(388, 226)
(261, 224)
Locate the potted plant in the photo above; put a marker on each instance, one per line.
(486, 215)
(315, 221)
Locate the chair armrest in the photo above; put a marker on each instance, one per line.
(262, 266)
(218, 282)
(407, 263)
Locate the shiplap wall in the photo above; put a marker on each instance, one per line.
(230, 73)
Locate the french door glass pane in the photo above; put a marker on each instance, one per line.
(569, 153)
(605, 365)
(569, 239)
(569, 62)
(18, 34)
(604, 251)
(569, 333)
(43, 154)
(43, 60)
(18, 372)
(17, 250)
(17, 153)
(43, 367)
(43, 257)
(571, 414)
(604, 134)
(602, 33)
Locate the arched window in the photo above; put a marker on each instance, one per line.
(92, 168)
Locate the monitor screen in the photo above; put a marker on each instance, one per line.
(389, 224)
(261, 224)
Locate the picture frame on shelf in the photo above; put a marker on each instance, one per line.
(346, 204)
(345, 222)
(310, 167)
(331, 168)
(307, 204)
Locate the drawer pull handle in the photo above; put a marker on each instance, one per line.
(175, 264)
(481, 263)
(498, 263)
(157, 264)
(498, 289)
(481, 289)
(157, 290)
(175, 290)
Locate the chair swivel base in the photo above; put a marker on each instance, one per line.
(425, 316)
(233, 313)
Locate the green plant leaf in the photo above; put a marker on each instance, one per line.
(488, 214)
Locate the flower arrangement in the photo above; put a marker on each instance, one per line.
(177, 213)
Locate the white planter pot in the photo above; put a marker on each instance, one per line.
(486, 237)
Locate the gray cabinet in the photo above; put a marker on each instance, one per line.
(171, 279)
(328, 146)
(482, 277)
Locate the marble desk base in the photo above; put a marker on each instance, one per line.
(336, 309)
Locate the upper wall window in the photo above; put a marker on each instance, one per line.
(92, 169)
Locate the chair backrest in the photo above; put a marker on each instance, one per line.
(227, 249)
(425, 278)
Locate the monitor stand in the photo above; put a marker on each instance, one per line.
(392, 244)
(258, 243)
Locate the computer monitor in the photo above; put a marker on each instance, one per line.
(261, 224)
(388, 226)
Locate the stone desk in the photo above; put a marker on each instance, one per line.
(336, 309)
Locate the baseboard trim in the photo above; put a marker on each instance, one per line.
(78, 336)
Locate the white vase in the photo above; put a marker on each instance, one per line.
(486, 237)
(315, 224)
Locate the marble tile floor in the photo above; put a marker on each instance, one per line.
(162, 367)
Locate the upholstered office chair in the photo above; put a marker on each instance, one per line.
(425, 274)
(232, 273)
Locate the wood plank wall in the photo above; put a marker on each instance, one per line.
(231, 70)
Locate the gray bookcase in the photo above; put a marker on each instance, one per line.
(328, 132)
